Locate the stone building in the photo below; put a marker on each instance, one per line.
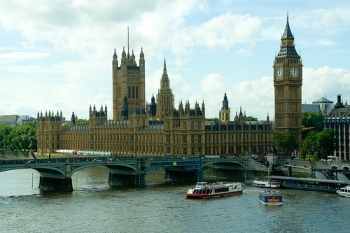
(338, 119)
(288, 81)
(158, 128)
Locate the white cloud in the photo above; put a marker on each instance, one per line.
(19, 56)
(220, 32)
(325, 82)
(244, 53)
(80, 37)
(27, 69)
(325, 42)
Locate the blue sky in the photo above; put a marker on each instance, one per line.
(56, 55)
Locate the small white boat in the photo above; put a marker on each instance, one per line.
(270, 197)
(219, 189)
(266, 183)
(344, 191)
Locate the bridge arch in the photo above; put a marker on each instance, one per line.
(207, 163)
(122, 167)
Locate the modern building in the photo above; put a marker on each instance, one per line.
(288, 80)
(16, 120)
(338, 119)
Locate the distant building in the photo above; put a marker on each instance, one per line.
(310, 108)
(10, 120)
(338, 119)
(16, 120)
(322, 105)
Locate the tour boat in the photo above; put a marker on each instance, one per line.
(266, 184)
(344, 191)
(270, 197)
(218, 189)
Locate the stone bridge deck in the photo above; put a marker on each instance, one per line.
(134, 169)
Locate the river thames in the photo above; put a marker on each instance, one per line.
(96, 207)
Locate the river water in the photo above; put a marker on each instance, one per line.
(96, 207)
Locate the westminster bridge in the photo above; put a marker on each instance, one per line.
(56, 174)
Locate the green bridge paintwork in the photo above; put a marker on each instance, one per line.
(52, 171)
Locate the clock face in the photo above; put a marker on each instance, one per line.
(294, 72)
(279, 72)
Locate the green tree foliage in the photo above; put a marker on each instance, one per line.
(312, 120)
(309, 147)
(78, 122)
(82, 122)
(22, 137)
(215, 119)
(319, 144)
(251, 118)
(5, 131)
(285, 142)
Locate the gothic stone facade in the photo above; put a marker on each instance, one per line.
(288, 82)
(156, 129)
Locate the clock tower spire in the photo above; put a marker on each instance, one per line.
(288, 82)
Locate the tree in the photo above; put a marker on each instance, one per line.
(78, 122)
(251, 118)
(309, 147)
(5, 130)
(312, 120)
(326, 142)
(285, 141)
(22, 137)
(215, 119)
(82, 122)
(319, 144)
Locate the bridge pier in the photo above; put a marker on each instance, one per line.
(54, 181)
(118, 179)
(56, 184)
(181, 176)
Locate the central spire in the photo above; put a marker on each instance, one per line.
(164, 83)
(287, 43)
(287, 32)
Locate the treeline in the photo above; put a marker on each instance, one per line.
(19, 138)
(317, 142)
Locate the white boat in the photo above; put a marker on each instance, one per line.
(219, 189)
(344, 191)
(270, 197)
(266, 183)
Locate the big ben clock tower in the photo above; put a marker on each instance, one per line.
(288, 80)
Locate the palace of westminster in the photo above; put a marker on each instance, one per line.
(159, 128)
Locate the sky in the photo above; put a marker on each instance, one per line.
(57, 55)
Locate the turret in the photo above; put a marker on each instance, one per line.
(73, 123)
(224, 114)
(339, 103)
(115, 60)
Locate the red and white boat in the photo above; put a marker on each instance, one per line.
(219, 189)
(266, 184)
